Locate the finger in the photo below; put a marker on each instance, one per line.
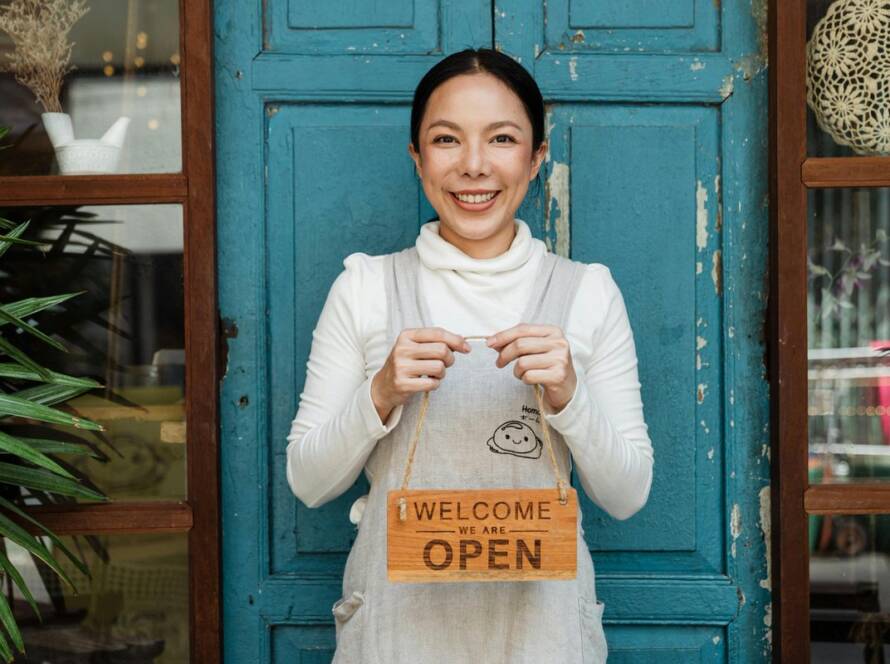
(521, 330)
(454, 341)
(432, 350)
(523, 346)
(533, 363)
(431, 368)
(537, 377)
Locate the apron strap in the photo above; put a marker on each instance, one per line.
(424, 404)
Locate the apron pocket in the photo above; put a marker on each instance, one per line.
(348, 626)
(593, 638)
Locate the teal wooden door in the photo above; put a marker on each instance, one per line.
(657, 167)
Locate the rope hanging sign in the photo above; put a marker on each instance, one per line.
(447, 535)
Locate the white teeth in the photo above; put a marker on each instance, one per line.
(476, 198)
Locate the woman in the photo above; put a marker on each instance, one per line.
(394, 325)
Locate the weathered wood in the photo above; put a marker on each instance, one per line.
(482, 535)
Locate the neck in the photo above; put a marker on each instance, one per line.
(489, 247)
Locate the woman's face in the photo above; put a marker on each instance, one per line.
(475, 144)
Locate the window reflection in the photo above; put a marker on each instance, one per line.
(849, 588)
(133, 609)
(126, 331)
(848, 302)
(127, 60)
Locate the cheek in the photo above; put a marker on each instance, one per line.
(514, 170)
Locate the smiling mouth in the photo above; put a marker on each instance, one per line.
(475, 202)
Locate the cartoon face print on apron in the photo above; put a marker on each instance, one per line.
(482, 430)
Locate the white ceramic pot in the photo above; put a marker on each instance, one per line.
(84, 156)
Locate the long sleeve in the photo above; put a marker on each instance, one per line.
(603, 423)
(336, 425)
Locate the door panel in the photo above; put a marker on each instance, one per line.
(657, 165)
(657, 127)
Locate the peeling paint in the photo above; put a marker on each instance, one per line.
(700, 342)
(698, 267)
(711, 454)
(578, 37)
(700, 392)
(760, 12)
(228, 329)
(701, 216)
(726, 88)
(548, 128)
(768, 622)
(558, 197)
(573, 68)
(766, 530)
(717, 271)
(735, 525)
(697, 65)
(716, 640)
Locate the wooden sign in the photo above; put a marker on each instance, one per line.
(482, 535)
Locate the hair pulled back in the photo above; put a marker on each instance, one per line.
(475, 61)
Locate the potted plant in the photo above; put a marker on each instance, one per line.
(40, 61)
(30, 392)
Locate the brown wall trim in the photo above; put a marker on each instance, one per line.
(201, 331)
(788, 331)
(121, 518)
(846, 172)
(857, 498)
(93, 189)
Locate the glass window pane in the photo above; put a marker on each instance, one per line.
(849, 588)
(133, 609)
(848, 303)
(126, 59)
(126, 331)
(847, 83)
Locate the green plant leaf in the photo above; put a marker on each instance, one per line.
(10, 370)
(15, 233)
(11, 405)
(14, 532)
(8, 621)
(31, 305)
(30, 329)
(13, 445)
(10, 349)
(12, 507)
(20, 582)
(48, 395)
(5, 650)
(48, 446)
(43, 479)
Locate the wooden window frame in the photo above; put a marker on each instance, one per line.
(792, 173)
(194, 189)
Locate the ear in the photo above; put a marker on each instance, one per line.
(416, 157)
(538, 159)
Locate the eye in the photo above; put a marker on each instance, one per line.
(436, 139)
(507, 136)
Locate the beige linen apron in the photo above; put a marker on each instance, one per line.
(482, 430)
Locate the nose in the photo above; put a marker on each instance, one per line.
(474, 160)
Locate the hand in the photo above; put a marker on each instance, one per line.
(542, 357)
(416, 363)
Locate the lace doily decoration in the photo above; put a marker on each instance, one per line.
(848, 74)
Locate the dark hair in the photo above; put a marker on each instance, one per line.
(475, 61)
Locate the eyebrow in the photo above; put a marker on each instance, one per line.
(493, 125)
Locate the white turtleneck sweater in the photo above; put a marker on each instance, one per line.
(337, 426)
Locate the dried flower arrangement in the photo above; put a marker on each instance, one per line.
(39, 30)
